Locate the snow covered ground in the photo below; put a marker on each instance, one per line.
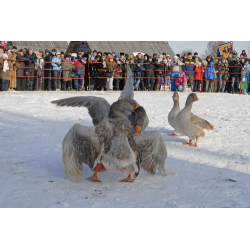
(216, 174)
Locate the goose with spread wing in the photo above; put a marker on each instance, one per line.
(112, 141)
(189, 124)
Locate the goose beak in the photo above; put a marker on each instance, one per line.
(137, 105)
(175, 95)
(137, 130)
(196, 98)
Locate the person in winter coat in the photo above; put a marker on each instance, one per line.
(177, 68)
(235, 73)
(67, 68)
(110, 67)
(30, 72)
(189, 66)
(117, 73)
(223, 74)
(181, 82)
(138, 73)
(48, 69)
(159, 67)
(56, 64)
(20, 70)
(12, 58)
(246, 75)
(169, 68)
(149, 73)
(79, 66)
(197, 77)
(209, 75)
(243, 54)
(39, 68)
(5, 67)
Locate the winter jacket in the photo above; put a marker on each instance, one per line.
(79, 62)
(222, 67)
(198, 73)
(177, 66)
(138, 70)
(47, 62)
(189, 65)
(31, 62)
(20, 65)
(111, 66)
(149, 67)
(210, 71)
(4, 75)
(169, 68)
(181, 79)
(56, 63)
(159, 67)
(67, 68)
(235, 68)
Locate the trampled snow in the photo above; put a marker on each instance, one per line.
(216, 174)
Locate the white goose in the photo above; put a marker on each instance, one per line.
(189, 124)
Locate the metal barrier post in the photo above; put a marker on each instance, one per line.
(37, 79)
(89, 76)
(241, 79)
(43, 76)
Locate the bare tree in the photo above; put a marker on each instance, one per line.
(212, 47)
(185, 52)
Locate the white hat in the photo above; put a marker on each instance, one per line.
(175, 57)
(5, 56)
(58, 53)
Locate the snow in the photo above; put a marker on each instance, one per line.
(216, 174)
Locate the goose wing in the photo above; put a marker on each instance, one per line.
(202, 123)
(98, 107)
(80, 145)
(152, 151)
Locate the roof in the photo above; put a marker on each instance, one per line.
(40, 45)
(147, 47)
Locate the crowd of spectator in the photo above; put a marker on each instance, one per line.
(27, 70)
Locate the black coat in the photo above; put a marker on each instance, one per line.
(31, 62)
(48, 59)
(149, 69)
(235, 70)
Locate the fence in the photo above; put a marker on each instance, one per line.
(160, 73)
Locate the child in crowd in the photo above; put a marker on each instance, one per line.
(181, 82)
(198, 77)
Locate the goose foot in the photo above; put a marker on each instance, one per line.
(101, 167)
(94, 177)
(190, 143)
(128, 179)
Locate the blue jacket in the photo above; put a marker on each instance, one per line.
(209, 72)
(189, 65)
(138, 70)
(56, 62)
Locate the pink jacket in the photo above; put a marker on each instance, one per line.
(181, 79)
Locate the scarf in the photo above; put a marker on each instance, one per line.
(5, 63)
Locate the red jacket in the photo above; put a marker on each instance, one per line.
(198, 73)
(79, 62)
(3, 44)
